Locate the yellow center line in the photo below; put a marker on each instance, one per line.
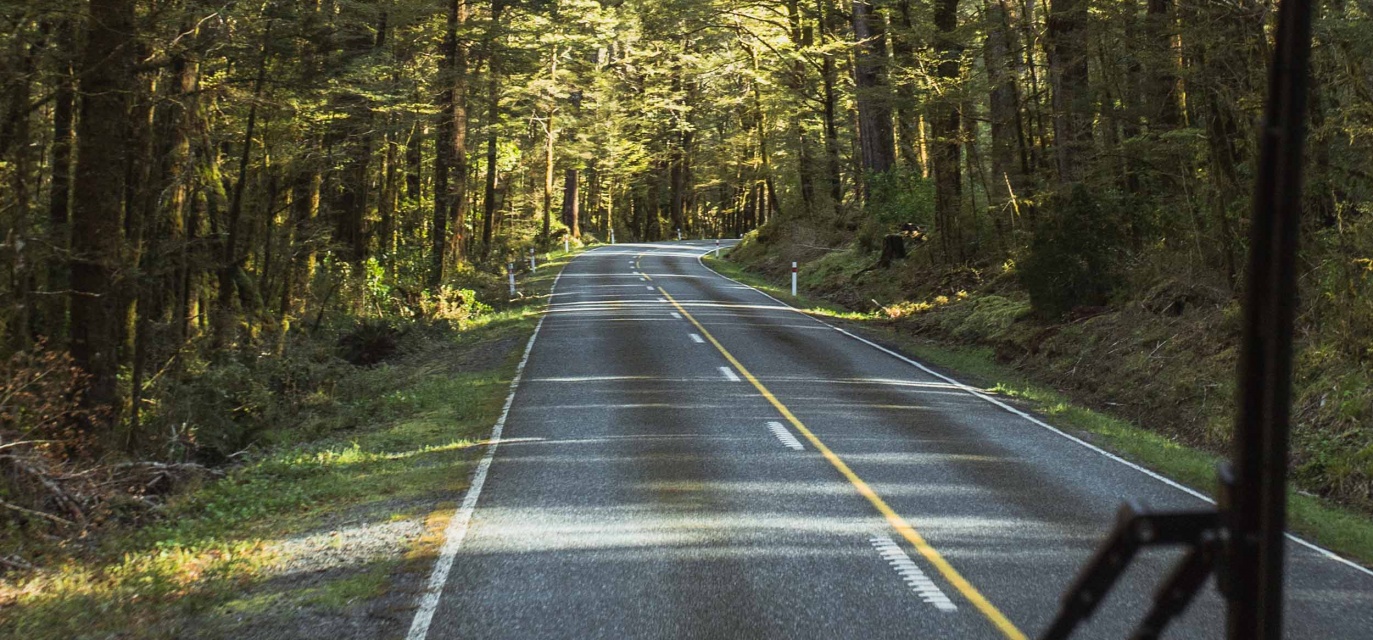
(994, 615)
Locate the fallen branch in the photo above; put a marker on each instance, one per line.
(14, 507)
(24, 442)
(15, 562)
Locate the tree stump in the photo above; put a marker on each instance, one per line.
(893, 248)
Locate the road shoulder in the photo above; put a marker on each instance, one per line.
(1343, 531)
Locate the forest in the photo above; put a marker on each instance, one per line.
(197, 194)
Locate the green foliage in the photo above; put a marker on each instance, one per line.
(222, 408)
(988, 317)
(900, 196)
(1073, 260)
(370, 342)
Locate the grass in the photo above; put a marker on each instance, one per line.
(809, 305)
(215, 552)
(1347, 532)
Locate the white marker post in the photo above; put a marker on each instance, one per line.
(793, 279)
(533, 262)
(510, 269)
(567, 244)
(612, 235)
(679, 235)
(717, 247)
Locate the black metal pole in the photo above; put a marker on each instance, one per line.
(1258, 514)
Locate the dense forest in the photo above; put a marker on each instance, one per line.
(191, 186)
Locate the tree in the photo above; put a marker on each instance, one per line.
(450, 162)
(107, 87)
(870, 77)
(1072, 98)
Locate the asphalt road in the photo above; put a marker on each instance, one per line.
(685, 457)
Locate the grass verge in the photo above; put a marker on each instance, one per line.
(292, 534)
(1347, 532)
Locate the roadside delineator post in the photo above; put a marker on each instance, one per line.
(612, 235)
(533, 262)
(679, 234)
(717, 247)
(793, 279)
(510, 271)
(567, 245)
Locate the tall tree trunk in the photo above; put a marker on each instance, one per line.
(1162, 87)
(177, 117)
(870, 75)
(946, 120)
(16, 147)
(450, 162)
(389, 204)
(414, 162)
(830, 78)
(458, 201)
(232, 259)
(797, 80)
(907, 110)
(493, 115)
(59, 198)
(1072, 99)
(102, 164)
(571, 209)
(489, 201)
(305, 198)
(1006, 184)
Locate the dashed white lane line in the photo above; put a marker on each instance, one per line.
(920, 583)
(662, 299)
(676, 315)
(785, 436)
(729, 373)
(697, 339)
(650, 287)
(643, 279)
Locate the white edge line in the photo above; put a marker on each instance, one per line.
(457, 527)
(972, 391)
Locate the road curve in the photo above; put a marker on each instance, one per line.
(685, 457)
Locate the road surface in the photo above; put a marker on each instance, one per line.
(685, 457)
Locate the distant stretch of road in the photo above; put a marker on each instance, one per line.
(686, 457)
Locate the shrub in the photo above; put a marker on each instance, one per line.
(370, 342)
(1072, 260)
